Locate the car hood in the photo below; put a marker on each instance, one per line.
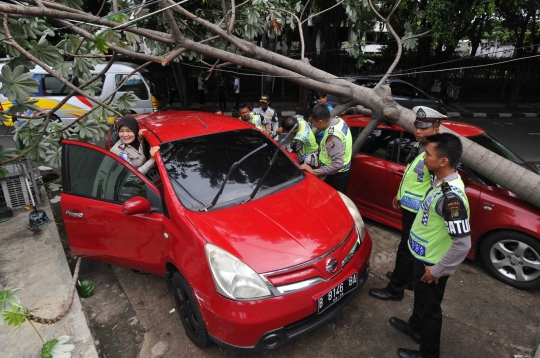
(280, 230)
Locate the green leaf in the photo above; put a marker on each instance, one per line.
(45, 52)
(21, 60)
(17, 84)
(23, 106)
(15, 317)
(7, 153)
(93, 88)
(409, 44)
(101, 44)
(82, 67)
(119, 18)
(54, 157)
(63, 69)
(125, 101)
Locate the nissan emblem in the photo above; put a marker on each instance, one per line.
(331, 265)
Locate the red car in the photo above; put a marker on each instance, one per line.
(254, 251)
(505, 228)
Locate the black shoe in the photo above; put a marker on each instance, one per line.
(382, 294)
(405, 328)
(408, 353)
(410, 287)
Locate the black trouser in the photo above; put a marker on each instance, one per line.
(202, 96)
(403, 271)
(338, 181)
(427, 314)
(222, 102)
(237, 99)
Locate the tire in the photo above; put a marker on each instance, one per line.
(513, 258)
(189, 312)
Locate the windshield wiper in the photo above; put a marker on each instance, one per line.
(233, 167)
(271, 163)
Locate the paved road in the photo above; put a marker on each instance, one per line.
(521, 135)
(131, 314)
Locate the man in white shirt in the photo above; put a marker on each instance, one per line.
(236, 91)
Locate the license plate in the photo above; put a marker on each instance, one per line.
(337, 293)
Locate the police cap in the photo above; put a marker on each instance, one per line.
(265, 98)
(426, 117)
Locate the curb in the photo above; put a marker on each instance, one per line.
(491, 115)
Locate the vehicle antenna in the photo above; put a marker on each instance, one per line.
(200, 120)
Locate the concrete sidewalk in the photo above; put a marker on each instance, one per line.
(36, 262)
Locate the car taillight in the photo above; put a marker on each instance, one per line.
(155, 103)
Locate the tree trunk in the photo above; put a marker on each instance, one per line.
(180, 81)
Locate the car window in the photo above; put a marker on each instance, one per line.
(53, 87)
(401, 147)
(135, 84)
(377, 144)
(401, 89)
(198, 166)
(101, 177)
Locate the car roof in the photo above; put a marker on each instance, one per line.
(464, 129)
(173, 125)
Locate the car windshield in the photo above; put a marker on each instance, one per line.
(198, 166)
(491, 143)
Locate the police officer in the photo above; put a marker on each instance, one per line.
(415, 183)
(303, 143)
(252, 118)
(335, 149)
(268, 114)
(439, 241)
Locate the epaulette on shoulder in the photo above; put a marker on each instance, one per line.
(445, 187)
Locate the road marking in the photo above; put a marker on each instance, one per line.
(510, 124)
(533, 133)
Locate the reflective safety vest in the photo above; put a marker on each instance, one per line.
(256, 120)
(306, 136)
(414, 184)
(341, 131)
(429, 239)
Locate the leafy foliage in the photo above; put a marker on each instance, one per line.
(17, 84)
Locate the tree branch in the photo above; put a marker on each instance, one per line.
(49, 70)
(120, 50)
(414, 36)
(304, 9)
(302, 45)
(398, 40)
(84, 17)
(317, 14)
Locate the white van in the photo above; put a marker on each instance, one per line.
(51, 91)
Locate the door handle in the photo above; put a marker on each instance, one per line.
(488, 206)
(71, 213)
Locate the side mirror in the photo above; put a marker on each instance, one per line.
(136, 205)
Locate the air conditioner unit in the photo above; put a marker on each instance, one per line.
(14, 193)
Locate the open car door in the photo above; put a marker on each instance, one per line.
(96, 184)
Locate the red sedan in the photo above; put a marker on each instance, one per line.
(505, 229)
(254, 251)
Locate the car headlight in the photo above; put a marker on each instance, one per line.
(233, 278)
(355, 215)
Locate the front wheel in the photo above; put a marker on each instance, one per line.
(513, 258)
(189, 312)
